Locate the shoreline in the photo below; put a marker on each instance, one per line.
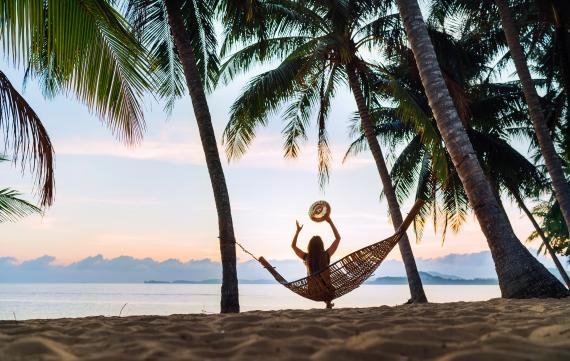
(498, 329)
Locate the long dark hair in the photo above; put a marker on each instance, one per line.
(317, 257)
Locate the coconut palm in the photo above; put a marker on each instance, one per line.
(414, 174)
(320, 45)
(80, 48)
(491, 112)
(551, 159)
(544, 25)
(181, 39)
(520, 274)
(12, 207)
(417, 171)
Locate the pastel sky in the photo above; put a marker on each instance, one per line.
(155, 200)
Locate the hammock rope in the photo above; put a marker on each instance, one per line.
(246, 251)
(346, 274)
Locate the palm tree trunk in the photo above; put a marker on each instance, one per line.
(551, 159)
(230, 298)
(520, 274)
(414, 280)
(496, 190)
(545, 240)
(562, 42)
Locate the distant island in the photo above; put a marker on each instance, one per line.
(428, 278)
(433, 279)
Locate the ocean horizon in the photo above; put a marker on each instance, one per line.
(63, 300)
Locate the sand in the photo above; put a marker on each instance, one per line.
(492, 330)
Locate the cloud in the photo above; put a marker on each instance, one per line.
(265, 152)
(115, 201)
(149, 150)
(132, 270)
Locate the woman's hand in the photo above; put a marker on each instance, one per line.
(298, 252)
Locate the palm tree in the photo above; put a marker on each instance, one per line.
(544, 33)
(520, 274)
(446, 199)
(418, 171)
(320, 45)
(553, 230)
(551, 158)
(81, 48)
(181, 38)
(25, 135)
(492, 112)
(545, 240)
(552, 226)
(12, 207)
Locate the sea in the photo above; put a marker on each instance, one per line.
(63, 300)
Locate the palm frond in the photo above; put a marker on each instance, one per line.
(455, 204)
(410, 112)
(199, 18)
(263, 51)
(84, 48)
(150, 23)
(326, 93)
(424, 190)
(297, 118)
(12, 207)
(26, 139)
(263, 96)
(404, 172)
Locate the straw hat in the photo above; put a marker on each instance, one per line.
(319, 211)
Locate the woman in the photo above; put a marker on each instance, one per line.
(317, 259)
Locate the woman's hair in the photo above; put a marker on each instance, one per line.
(317, 258)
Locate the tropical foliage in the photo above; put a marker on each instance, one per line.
(553, 226)
(181, 41)
(321, 47)
(543, 28)
(80, 48)
(492, 112)
(12, 206)
(26, 138)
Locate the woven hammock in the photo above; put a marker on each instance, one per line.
(348, 273)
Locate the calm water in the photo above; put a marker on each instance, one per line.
(27, 301)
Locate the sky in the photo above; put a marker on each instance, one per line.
(154, 200)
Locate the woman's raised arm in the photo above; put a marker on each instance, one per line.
(298, 252)
(332, 249)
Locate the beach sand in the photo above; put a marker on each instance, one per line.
(493, 330)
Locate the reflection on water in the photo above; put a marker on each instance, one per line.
(27, 301)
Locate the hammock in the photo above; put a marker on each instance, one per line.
(346, 274)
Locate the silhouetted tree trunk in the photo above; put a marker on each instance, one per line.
(542, 236)
(520, 274)
(551, 159)
(230, 298)
(414, 280)
(562, 43)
